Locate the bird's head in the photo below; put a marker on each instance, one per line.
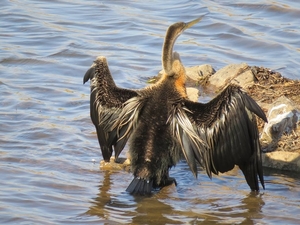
(172, 34)
(99, 71)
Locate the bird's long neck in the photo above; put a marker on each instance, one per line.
(172, 34)
(167, 52)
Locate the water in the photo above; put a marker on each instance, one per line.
(48, 142)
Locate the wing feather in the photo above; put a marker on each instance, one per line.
(228, 128)
(123, 126)
(106, 105)
(187, 137)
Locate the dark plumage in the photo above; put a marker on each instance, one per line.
(162, 123)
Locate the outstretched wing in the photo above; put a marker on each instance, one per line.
(124, 123)
(228, 127)
(107, 102)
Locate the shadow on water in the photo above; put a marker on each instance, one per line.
(169, 207)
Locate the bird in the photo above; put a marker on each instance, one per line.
(162, 125)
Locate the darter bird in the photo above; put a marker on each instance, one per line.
(161, 124)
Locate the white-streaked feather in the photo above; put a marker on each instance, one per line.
(187, 136)
(127, 117)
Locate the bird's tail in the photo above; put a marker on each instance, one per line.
(140, 186)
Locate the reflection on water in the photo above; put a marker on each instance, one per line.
(201, 203)
(48, 142)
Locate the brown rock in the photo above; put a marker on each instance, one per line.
(193, 93)
(122, 164)
(282, 160)
(240, 74)
(198, 73)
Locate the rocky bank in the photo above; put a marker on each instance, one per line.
(278, 96)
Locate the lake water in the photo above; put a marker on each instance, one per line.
(48, 144)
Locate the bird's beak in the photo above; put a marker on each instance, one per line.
(193, 22)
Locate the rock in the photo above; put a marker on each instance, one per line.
(199, 73)
(283, 117)
(282, 160)
(240, 74)
(122, 164)
(193, 93)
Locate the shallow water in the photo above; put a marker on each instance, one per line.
(48, 142)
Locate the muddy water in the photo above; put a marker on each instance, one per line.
(47, 142)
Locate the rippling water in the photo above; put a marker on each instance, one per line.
(48, 142)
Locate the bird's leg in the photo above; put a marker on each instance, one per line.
(168, 181)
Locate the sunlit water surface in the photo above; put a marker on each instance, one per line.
(48, 142)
